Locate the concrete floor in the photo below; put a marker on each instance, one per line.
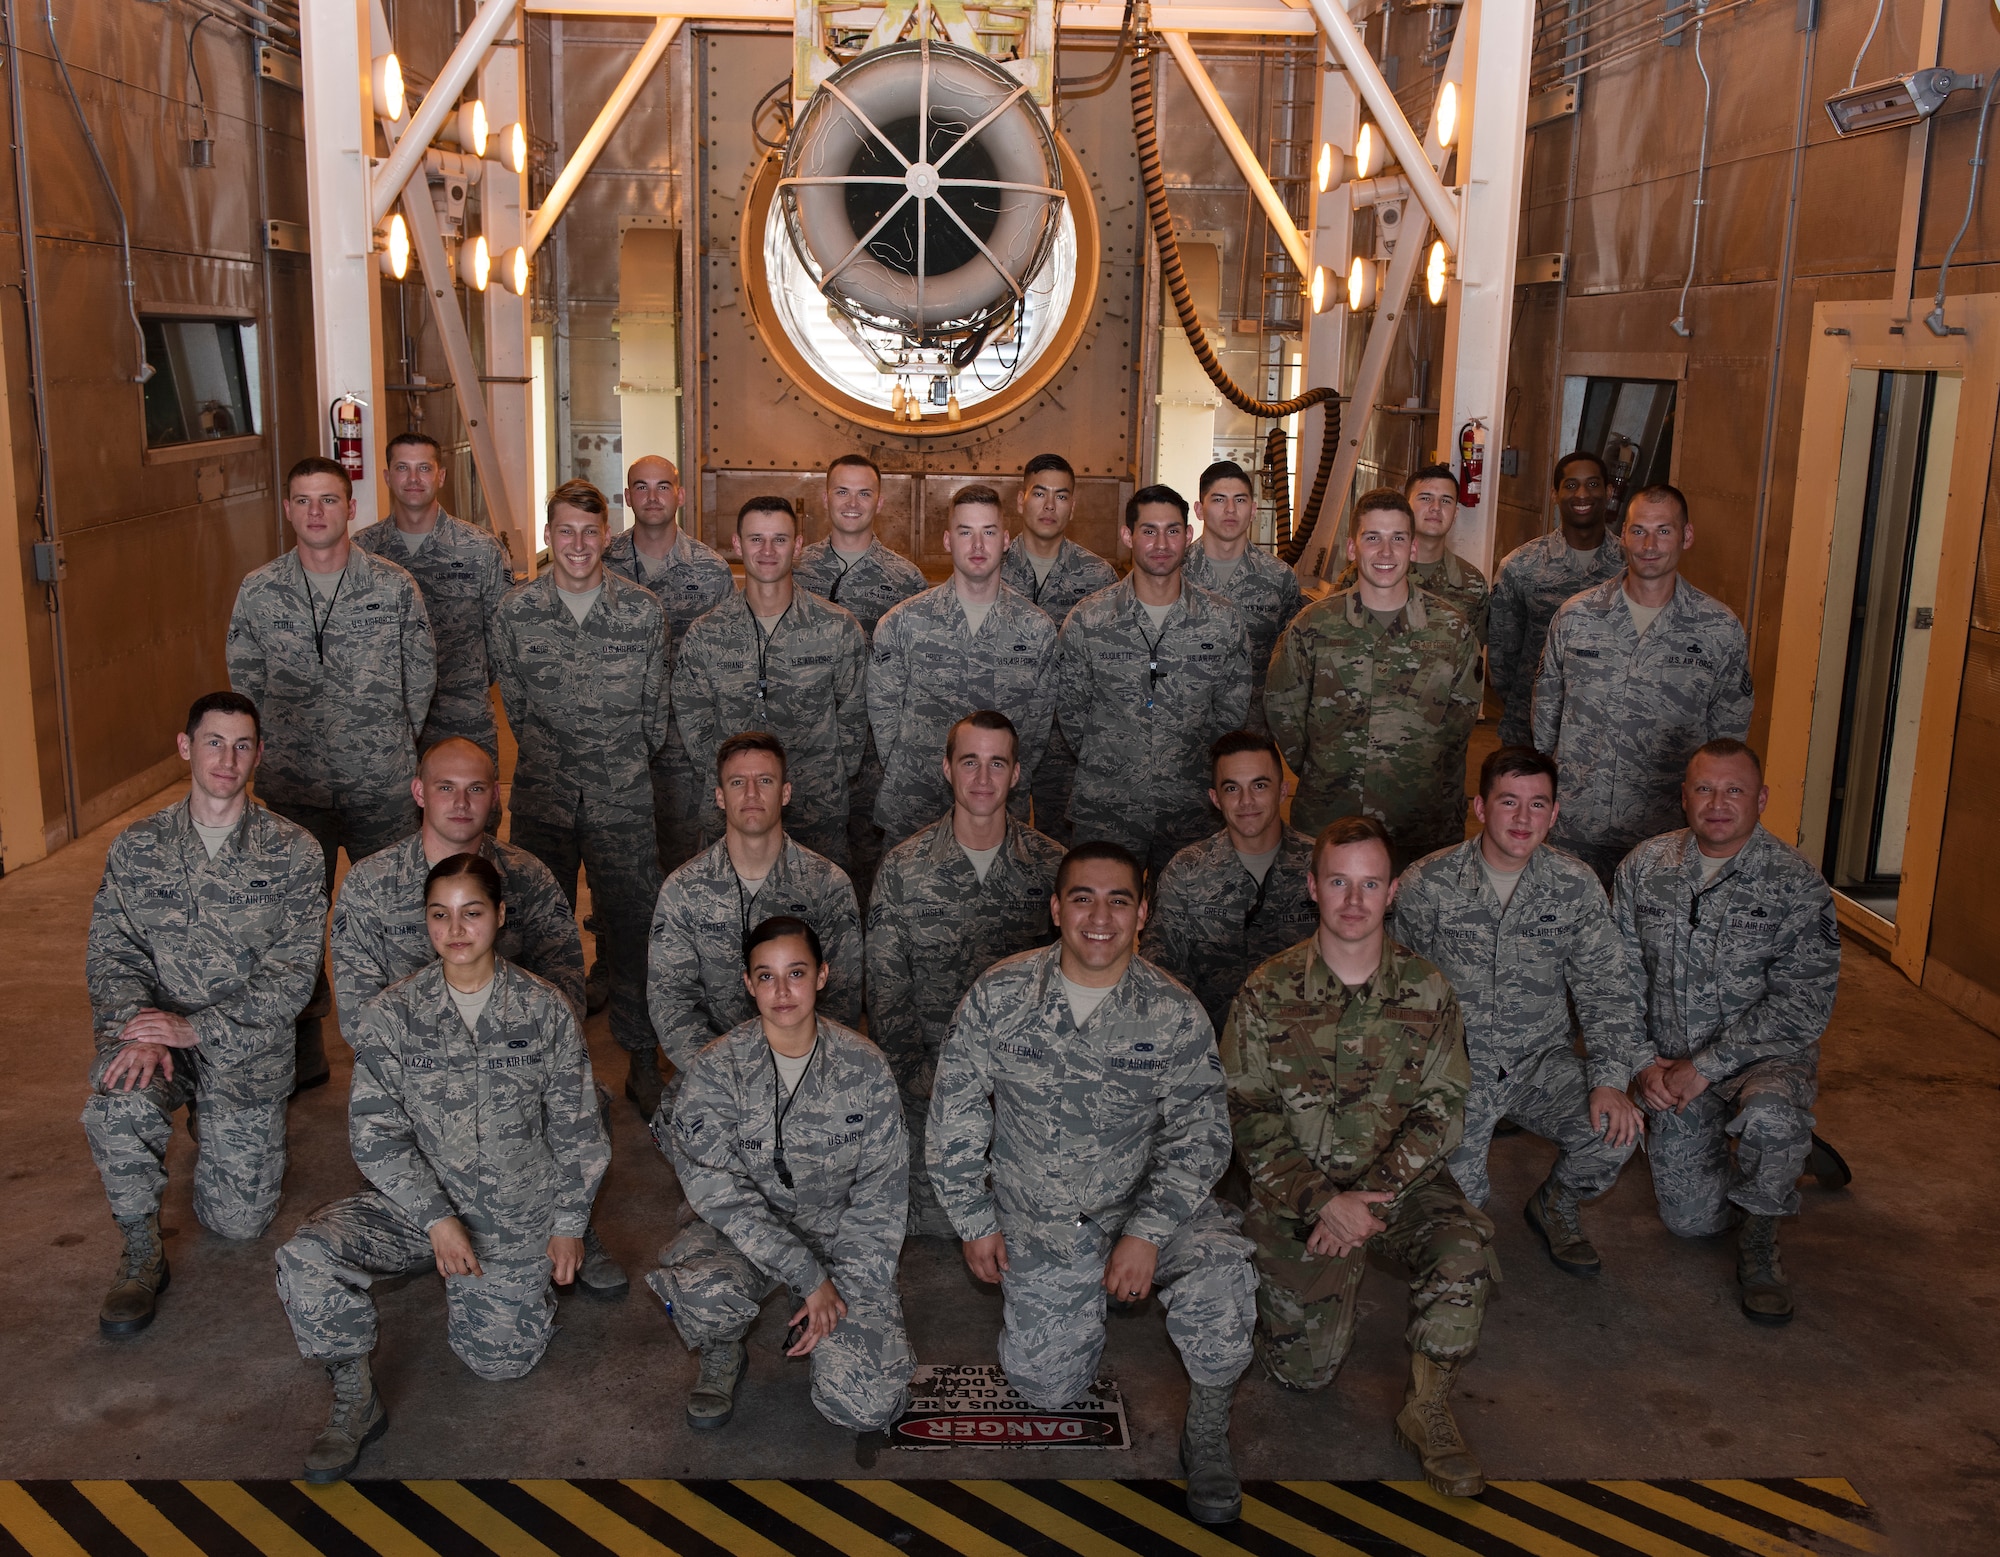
(1887, 1377)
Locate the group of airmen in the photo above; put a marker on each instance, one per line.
(1027, 826)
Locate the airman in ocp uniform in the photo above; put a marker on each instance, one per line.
(1075, 1138)
(1637, 674)
(1149, 672)
(1374, 692)
(1053, 572)
(971, 643)
(1264, 591)
(1432, 493)
(1524, 933)
(779, 658)
(689, 578)
(788, 1140)
(754, 872)
(1735, 936)
(204, 944)
(951, 901)
(1227, 904)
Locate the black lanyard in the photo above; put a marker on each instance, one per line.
(321, 623)
(1263, 885)
(839, 578)
(1153, 671)
(743, 903)
(781, 1105)
(764, 641)
(1694, 904)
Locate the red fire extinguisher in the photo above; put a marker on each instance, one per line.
(1471, 463)
(347, 414)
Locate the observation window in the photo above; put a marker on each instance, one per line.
(205, 380)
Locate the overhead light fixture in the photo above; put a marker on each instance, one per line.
(509, 147)
(1360, 284)
(475, 263)
(1327, 167)
(1367, 152)
(1899, 101)
(1447, 112)
(1437, 271)
(385, 78)
(517, 271)
(1317, 291)
(396, 247)
(467, 128)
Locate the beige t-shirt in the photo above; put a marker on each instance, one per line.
(1157, 614)
(770, 623)
(1043, 567)
(323, 584)
(579, 603)
(792, 1068)
(982, 859)
(1259, 865)
(1223, 572)
(1642, 616)
(1712, 867)
(412, 544)
(471, 1007)
(213, 838)
(1083, 999)
(1503, 882)
(976, 612)
(849, 557)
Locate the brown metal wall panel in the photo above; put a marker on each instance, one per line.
(1965, 914)
(1849, 193)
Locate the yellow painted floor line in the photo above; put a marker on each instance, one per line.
(1835, 1486)
(1802, 1514)
(34, 1526)
(920, 1513)
(1690, 1513)
(478, 1518)
(1051, 1522)
(1142, 1510)
(1380, 1520)
(705, 1519)
(1524, 1535)
(608, 1529)
(363, 1519)
(838, 1531)
(1593, 1518)
(252, 1520)
(1295, 1532)
(137, 1520)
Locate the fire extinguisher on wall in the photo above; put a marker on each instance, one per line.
(347, 415)
(1471, 463)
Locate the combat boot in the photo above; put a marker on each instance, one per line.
(356, 1421)
(1214, 1494)
(1766, 1295)
(600, 1275)
(712, 1401)
(1426, 1426)
(642, 1081)
(1552, 1212)
(142, 1277)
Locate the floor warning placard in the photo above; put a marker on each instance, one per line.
(976, 1408)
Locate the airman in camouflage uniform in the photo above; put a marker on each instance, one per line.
(1535, 579)
(1264, 591)
(1519, 968)
(1212, 922)
(225, 947)
(1622, 712)
(931, 667)
(689, 579)
(835, 1213)
(933, 927)
(1339, 1090)
(1740, 958)
(868, 587)
(587, 703)
(1055, 584)
(804, 681)
(497, 1127)
(1432, 491)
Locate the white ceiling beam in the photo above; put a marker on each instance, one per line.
(1217, 16)
(439, 103)
(1239, 149)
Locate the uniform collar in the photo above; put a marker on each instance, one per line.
(943, 846)
(1323, 985)
(1414, 617)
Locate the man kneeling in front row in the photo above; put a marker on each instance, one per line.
(788, 1137)
(1077, 1129)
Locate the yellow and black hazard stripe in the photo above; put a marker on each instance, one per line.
(1767, 1518)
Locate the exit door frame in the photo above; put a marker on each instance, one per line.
(1850, 336)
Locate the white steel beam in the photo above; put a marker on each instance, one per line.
(1331, 219)
(608, 119)
(1257, 16)
(1436, 200)
(503, 198)
(339, 123)
(1239, 149)
(439, 104)
(1479, 318)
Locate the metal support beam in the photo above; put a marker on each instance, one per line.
(1916, 165)
(503, 199)
(339, 123)
(1479, 321)
(439, 103)
(1241, 16)
(608, 119)
(1239, 149)
(1330, 219)
(1436, 200)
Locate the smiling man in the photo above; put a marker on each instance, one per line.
(1374, 691)
(1524, 933)
(1637, 674)
(1264, 590)
(1076, 1134)
(970, 643)
(1342, 1169)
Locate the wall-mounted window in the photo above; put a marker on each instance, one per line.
(204, 384)
(1627, 421)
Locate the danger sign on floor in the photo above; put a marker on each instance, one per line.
(976, 1408)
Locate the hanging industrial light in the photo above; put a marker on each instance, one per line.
(475, 263)
(1360, 284)
(1367, 152)
(517, 271)
(385, 77)
(395, 242)
(467, 128)
(1447, 112)
(1437, 270)
(1317, 291)
(1328, 167)
(509, 148)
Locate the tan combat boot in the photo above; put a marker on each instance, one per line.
(712, 1401)
(357, 1420)
(1426, 1426)
(1766, 1295)
(600, 1275)
(1214, 1494)
(142, 1277)
(1552, 1211)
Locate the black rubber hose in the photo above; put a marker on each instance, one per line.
(1145, 132)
